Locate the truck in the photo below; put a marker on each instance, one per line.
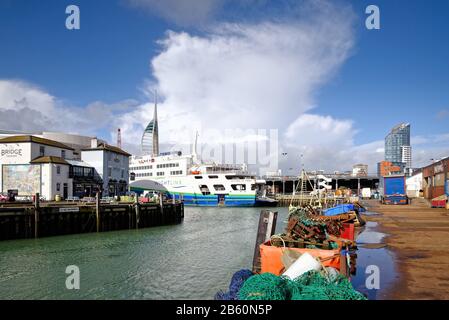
(394, 189)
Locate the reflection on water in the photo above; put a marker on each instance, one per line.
(371, 251)
(192, 260)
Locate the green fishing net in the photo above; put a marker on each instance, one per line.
(312, 285)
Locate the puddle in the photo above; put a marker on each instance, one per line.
(369, 235)
(373, 252)
(370, 213)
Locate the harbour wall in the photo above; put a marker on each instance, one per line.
(21, 221)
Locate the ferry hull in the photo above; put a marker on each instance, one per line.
(215, 200)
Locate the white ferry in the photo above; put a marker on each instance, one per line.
(204, 184)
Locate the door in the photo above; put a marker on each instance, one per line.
(221, 199)
(65, 191)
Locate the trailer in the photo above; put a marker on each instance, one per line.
(394, 189)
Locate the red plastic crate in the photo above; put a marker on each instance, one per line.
(348, 231)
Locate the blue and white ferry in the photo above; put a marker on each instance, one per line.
(185, 178)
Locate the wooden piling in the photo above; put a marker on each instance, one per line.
(36, 215)
(266, 228)
(97, 211)
(161, 203)
(137, 205)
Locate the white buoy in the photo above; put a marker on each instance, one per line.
(304, 263)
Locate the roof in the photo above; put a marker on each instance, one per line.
(107, 147)
(49, 159)
(79, 163)
(30, 138)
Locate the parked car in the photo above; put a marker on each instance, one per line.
(4, 197)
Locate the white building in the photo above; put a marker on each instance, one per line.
(406, 154)
(112, 165)
(360, 170)
(414, 184)
(33, 165)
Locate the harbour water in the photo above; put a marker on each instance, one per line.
(192, 260)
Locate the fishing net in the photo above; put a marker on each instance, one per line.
(312, 285)
(237, 281)
(265, 286)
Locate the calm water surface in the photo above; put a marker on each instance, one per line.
(192, 260)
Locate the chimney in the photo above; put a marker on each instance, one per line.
(94, 143)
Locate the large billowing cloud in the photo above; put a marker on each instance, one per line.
(240, 75)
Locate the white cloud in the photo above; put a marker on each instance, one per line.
(26, 107)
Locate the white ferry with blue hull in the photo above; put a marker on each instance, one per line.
(181, 178)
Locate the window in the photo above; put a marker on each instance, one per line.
(253, 187)
(109, 172)
(58, 169)
(239, 187)
(160, 173)
(123, 173)
(219, 187)
(204, 189)
(213, 177)
(198, 177)
(63, 154)
(58, 187)
(41, 151)
(177, 172)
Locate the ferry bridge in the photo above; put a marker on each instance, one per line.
(286, 184)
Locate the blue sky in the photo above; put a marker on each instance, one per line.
(395, 74)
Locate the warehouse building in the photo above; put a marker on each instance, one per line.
(435, 179)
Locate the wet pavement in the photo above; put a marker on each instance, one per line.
(373, 258)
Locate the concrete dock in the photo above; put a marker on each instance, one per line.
(418, 235)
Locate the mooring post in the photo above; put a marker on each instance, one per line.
(97, 210)
(161, 203)
(136, 204)
(266, 228)
(36, 214)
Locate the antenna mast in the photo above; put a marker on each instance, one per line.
(119, 138)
